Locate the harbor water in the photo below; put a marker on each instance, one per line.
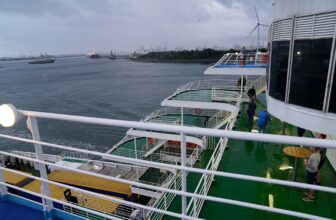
(118, 89)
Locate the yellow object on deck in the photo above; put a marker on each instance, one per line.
(84, 200)
(13, 178)
(88, 181)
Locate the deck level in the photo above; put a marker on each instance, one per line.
(91, 182)
(261, 159)
(89, 201)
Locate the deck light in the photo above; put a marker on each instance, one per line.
(8, 115)
(285, 167)
(298, 53)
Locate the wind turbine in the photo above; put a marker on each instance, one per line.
(257, 27)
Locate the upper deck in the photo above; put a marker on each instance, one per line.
(206, 94)
(242, 63)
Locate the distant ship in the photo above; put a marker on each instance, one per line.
(92, 55)
(112, 56)
(42, 61)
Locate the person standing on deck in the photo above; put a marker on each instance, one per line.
(239, 82)
(250, 113)
(312, 168)
(263, 118)
(323, 153)
(251, 93)
(300, 131)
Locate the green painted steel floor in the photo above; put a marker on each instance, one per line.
(261, 159)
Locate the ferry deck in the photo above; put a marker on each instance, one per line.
(193, 159)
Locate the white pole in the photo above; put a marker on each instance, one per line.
(136, 157)
(258, 38)
(241, 84)
(3, 189)
(184, 173)
(182, 116)
(33, 127)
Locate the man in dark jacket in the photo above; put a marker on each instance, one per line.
(251, 93)
(250, 113)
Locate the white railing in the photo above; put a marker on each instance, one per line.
(165, 199)
(221, 60)
(259, 84)
(218, 119)
(204, 184)
(216, 89)
(123, 140)
(47, 157)
(221, 94)
(204, 85)
(155, 157)
(99, 205)
(183, 167)
(244, 59)
(76, 155)
(176, 111)
(170, 120)
(165, 112)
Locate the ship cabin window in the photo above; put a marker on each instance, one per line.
(278, 73)
(309, 72)
(332, 103)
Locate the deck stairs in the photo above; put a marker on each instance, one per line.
(218, 120)
(154, 148)
(259, 85)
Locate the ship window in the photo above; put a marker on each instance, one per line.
(332, 103)
(279, 64)
(309, 72)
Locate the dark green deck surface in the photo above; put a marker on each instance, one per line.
(261, 159)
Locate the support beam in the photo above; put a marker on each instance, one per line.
(45, 190)
(3, 189)
(184, 173)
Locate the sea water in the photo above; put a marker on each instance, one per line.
(117, 89)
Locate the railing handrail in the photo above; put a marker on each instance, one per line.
(182, 130)
(194, 85)
(210, 198)
(212, 164)
(106, 197)
(243, 58)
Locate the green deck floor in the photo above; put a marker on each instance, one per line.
(261, 159)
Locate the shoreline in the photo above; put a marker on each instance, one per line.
(185, 61)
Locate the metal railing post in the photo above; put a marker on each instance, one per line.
(184, 173)
(3, 188)
(165, 201)
(33, 127)
(136, 157)
(182, 117)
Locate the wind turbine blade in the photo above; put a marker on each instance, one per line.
(252, 30)
(255, 9)
(264, 25)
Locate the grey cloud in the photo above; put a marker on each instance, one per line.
(64, 26)
(36, 7)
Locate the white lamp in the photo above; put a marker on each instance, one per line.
(8, 115)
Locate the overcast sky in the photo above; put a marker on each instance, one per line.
(76, 26)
